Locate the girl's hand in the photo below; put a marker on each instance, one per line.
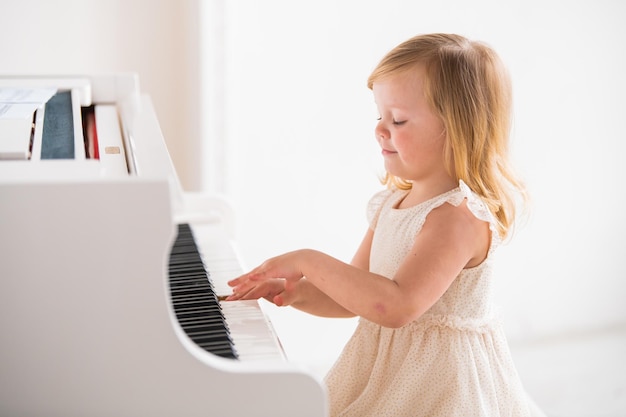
(273, 280)
(273, 290)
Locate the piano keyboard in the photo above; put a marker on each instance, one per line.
(200, 266)
(195, 304)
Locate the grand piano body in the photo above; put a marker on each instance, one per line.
(87, 318)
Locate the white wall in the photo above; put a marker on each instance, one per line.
(302, 163)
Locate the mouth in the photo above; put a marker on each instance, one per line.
(386, 152)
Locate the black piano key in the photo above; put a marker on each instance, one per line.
(196, 306)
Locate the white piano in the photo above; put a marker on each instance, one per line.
(105, 306)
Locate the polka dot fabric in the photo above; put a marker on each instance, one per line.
(453, 360)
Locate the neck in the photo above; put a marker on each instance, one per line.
(425, 190)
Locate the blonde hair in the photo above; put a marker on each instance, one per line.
(469, 88)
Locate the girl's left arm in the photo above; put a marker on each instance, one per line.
(450, 240)
(349, 286)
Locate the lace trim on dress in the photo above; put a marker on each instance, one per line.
(458, 323)
(478, 209)
(475, 204)
(480, 325)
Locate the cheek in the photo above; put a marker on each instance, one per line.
(410, 143)
(421, 150)
(436, 149)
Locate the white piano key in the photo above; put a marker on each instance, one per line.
(251, 331)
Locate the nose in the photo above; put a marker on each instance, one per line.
(381, 132)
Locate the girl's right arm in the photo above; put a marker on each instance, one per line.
(304, 295)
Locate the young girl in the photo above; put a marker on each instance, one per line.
(427, 343)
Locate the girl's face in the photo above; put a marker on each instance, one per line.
(410, 134)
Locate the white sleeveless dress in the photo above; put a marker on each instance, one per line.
(452, 361)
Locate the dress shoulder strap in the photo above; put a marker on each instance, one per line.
(474, 203)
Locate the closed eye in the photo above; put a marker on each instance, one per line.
(395, 122)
